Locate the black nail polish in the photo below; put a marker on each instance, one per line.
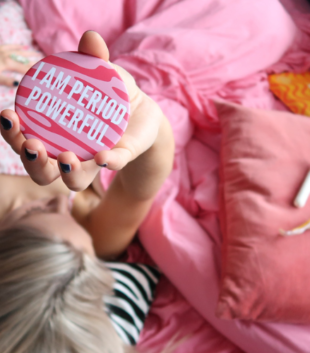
(66, 168)
(31, 156)
(15, 83)
(103, 165)
(6, 123)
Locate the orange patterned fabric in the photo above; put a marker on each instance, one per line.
(293, 90)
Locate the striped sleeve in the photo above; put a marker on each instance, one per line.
(134, 289)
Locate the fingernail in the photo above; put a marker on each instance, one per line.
(66, 168)
(6, 123)
(31, 155)
(103, 165)
(15, 83)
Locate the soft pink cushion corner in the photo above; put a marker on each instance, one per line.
(265, 156)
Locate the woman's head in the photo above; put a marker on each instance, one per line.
(51, 216)
(51, 291)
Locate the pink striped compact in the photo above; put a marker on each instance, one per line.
(73, 102)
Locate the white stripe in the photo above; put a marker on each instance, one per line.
(121, 333)
(121, 280)
(127, 326)
(123, 304)
(140, 302)
(149, 273)
(136, 274)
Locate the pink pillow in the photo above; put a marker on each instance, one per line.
(265, 156)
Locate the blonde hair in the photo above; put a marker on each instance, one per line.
(51, 297)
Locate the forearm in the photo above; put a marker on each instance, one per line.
(143, 177)
(125, 204)
(114, 222)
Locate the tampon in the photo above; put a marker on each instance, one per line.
(298, 230)
(303, 193)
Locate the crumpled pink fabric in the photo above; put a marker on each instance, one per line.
(13, 30)
(184, 54)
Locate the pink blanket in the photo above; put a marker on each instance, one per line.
(184, 53)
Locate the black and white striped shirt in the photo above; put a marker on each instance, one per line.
(134, 289)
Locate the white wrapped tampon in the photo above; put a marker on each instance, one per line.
(298, 230)
(303, 192)
(286, 233)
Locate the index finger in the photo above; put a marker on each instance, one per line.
(10, 130)
(42, 170)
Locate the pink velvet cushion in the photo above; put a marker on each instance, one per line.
(264, 158)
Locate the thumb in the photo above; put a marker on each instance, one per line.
(93, 44)
(8, 81)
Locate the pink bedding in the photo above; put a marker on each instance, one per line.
(184, 54)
